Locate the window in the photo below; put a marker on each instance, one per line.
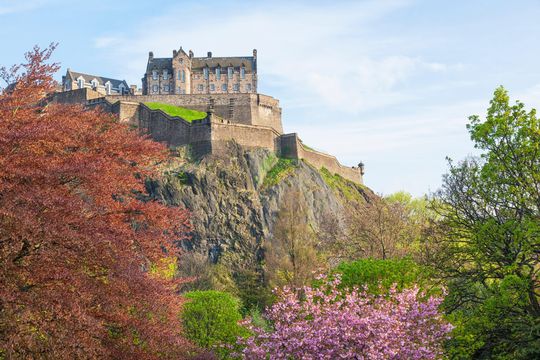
(248, 87)
(236, 87)
(183, 76)
(178, 75)
(212, 87)
(165, 74)
(154, 74)
(243, 72)
(224, 87)
(80, 82)
(155, 88)
(68, 86)
(94, 84)
(166, 88)
(108, 88)
(200, 87)
(121, 88)
(205, 71)
(218, 73)
(230, 72)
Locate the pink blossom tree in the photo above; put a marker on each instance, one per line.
(328, 323)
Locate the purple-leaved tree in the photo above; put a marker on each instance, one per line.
(328, 323)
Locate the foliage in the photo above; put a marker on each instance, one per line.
(379, 276)
(291, 257)
(210, 319)
(172, 110)
(75, 238)
(282, 169)
(349, 189)
(489, 243)
(330, 324)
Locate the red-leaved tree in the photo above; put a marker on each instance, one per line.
(77, 236)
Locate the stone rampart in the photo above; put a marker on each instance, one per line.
(292, 147)
(248, 109)
(250, 120)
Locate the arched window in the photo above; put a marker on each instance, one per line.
(243, 72)
(218, 73)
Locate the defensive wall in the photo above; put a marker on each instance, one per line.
(249, 109)
(211, 134)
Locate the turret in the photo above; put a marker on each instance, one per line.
(150, 55)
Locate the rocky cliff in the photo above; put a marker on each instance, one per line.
(235, 200)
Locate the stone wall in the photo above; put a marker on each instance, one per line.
(249, 109)
(77, 96)
(292, 147)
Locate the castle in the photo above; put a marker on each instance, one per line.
(225, 88)
(186, 74)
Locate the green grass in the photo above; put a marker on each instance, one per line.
(349, 189)
(172, 110)
(282, 169)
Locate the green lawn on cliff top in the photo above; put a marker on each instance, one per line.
(172, 110)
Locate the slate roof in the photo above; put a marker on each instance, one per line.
(200, 62)
(101, 80)
(159, 64)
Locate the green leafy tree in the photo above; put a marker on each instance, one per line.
(490, 247)
(210, 319)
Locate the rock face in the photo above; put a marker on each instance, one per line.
(234, 207)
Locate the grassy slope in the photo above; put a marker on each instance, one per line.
(349, 189)
(186, 114)
(282, 169)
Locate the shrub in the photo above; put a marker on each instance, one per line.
(210, 319)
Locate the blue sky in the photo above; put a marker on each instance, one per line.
(389, 83)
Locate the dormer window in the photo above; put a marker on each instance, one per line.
(230, 72)
(94, 83)
(108, 88)
(165, 74)
(121, 89)
(154, 75)
(243, 72)
(205, 72)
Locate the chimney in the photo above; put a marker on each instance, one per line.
(150, 55)
(255, 53)
(209, 54)
(190, 54)
(174, 52)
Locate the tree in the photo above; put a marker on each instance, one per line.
(291, 256)
(210, 319)
(490, 244)
(78, 237)
(330, 324)
(384, 228)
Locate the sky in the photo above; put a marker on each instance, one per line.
(389, 83)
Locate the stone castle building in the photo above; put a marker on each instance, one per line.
(225, 88)
(106, 86)
(186, 74)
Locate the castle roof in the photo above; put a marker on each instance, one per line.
(159, 64)
(115, 83)
(201, 62)
(247, 61)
